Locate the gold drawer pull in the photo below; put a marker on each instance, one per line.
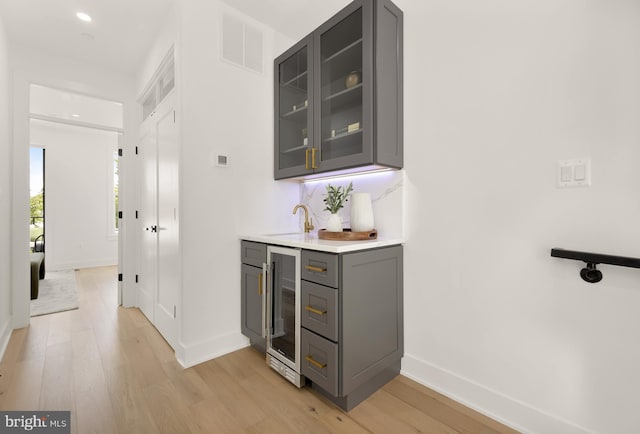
(317, 269)
(316, 311)
(260, 284)
(318, 365)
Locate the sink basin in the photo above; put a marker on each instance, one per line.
(294, 235)
(284, 234)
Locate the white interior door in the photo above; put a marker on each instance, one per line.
(168, 287)
(149, 221)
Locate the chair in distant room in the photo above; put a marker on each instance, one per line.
(37, 265)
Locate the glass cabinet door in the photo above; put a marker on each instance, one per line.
(283, 306)
(294, 127)
(345, 80)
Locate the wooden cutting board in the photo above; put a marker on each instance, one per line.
(347, 235)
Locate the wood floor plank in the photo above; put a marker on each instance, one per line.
(24, 385)
(445, 408)
(144, 362)
(129, 402)
(259, 379)
(94, 412)
(245, 408)
(188, 384)
(35, 343)
(211, 416)
(394, 415)
(116, 374)
(171, 414)
(14, 347)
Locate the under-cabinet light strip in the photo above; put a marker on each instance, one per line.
(346, 175)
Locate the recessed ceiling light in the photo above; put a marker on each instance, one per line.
(84, 17)
(75, 115)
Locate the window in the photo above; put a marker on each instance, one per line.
(113, 187)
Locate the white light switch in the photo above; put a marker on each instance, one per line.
(574, 173)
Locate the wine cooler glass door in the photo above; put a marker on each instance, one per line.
(283, 337)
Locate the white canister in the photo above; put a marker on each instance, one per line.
(361, 212)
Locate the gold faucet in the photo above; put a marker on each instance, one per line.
(308, 224)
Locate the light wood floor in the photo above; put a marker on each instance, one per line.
(116, 374)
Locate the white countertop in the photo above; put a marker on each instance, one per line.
(310, 241)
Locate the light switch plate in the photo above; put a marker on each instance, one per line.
(574, 173)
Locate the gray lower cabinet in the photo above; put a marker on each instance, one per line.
(253, 256)
(351, 332)
(352, 341)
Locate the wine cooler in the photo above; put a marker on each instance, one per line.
(283, 312)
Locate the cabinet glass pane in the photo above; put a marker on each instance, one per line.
(283, 308)
(294, 108)
(341, 88)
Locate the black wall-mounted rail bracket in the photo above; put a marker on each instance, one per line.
(590, 273)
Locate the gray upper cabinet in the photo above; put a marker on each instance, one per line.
(338, 94)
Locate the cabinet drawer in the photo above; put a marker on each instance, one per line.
(319, 309)
(320, 361)
(320, 268)
(253, 253)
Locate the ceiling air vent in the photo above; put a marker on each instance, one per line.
(241, 43)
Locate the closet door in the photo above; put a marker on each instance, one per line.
(168, 288)
(159, 282)
(147, 284)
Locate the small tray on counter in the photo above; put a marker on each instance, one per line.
(347, 235)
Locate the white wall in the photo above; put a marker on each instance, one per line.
(225, 109)
(79, 195)
(495, 93)
(5, 194)
(33, 66)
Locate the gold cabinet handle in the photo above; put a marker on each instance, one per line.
(306, 159)
(313, 158)
(317, 269)
(318, 365)
(260, 284)
(314, 310)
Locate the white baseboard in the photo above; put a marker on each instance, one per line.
(73, 265)
(5, 335)
(191, 355)
(507, 410)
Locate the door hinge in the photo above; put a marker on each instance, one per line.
(174, 116)
(119, 214)
(120, 152)
(136, 213)
(136, 150)
(174, 311)
(120, 277)
(136, 278)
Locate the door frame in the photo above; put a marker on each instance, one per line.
(22, 80)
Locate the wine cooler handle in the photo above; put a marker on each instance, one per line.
(263, 293)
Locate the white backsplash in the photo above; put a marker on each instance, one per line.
(386, 189)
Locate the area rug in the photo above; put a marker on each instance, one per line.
(57, 293)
